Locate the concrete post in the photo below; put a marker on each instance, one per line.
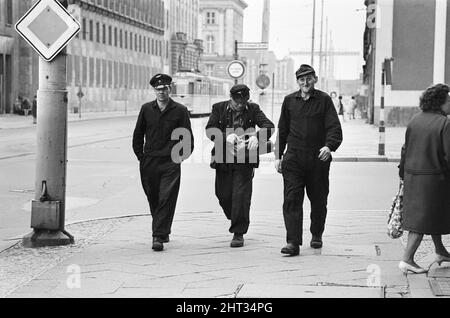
(48, 208)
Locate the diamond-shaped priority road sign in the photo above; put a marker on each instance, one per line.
(48, 27)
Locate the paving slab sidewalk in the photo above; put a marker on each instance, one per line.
(198, 262)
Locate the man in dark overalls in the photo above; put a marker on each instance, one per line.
(310, 127)
(160, 159)
(236, 155)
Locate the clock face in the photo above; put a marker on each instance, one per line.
(236, 69)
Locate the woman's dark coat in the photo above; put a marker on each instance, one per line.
(425, 167)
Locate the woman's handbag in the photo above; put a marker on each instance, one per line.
(395, 216)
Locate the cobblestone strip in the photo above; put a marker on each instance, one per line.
(19, 265)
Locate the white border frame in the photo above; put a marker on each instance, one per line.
(233, 63)
(47, 53)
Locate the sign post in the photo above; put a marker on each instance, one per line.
(48, 28)
(386, 79)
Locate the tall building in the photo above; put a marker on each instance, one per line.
(185, 48)
(266, 22)
(416, 33)
(18, 70)
(120, 47)
(221, 24)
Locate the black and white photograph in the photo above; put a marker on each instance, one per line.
(224, 156)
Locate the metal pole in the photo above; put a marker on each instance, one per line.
(326, 56)
(313, 33)
(1, 94)
(48, 208)
(5, 79)
(382, 129)
(126, 99)
(79, 105)
(321, 49)
(273, 93)
(236, 57)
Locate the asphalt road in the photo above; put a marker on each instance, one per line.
(103, 179)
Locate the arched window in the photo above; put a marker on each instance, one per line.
(210, 44)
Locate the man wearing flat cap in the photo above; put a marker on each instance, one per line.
(237, 145)
(309, 126)
(159, 154)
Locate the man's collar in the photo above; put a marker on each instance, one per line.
(229, 106)
(312, 95)
(170, 104)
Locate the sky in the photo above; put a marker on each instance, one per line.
(291, 29)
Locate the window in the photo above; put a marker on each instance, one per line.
(110, 35)
(210, 17)
(210, 44)
(69, 69)
(9, 12)
(84, 70)
(84, 29)
(209, 69)
(91, 72)
(98, 32)
(77, 70)
(131, 40)
(91, 30)
(104, 34)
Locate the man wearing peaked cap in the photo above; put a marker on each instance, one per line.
(161, 81)
(310, 139)
(237, 145)
(240, 91)
(160, 156)
(304, 70)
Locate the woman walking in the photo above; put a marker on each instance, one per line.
(425, 169)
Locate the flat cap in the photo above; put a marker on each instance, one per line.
(240, 91)
(304, 69)
(160, 81)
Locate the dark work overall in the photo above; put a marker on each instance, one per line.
(234, 184)
(234, 181)
(160, 179)
(160, 173)
(305, 127)
(234, 187)
(303, 170)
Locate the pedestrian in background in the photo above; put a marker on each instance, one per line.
(335, 100)
(34, 110)
(160, 167)
(341, 110)
(231, 127)
(352, 108)
(425, 169)
(310, 127)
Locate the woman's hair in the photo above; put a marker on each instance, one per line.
(434, 97)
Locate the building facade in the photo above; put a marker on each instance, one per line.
(416, 34)
(121, 45)
(182, 25)
(221, 23)
(18, 62)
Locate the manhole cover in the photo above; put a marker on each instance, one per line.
(440, 287)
